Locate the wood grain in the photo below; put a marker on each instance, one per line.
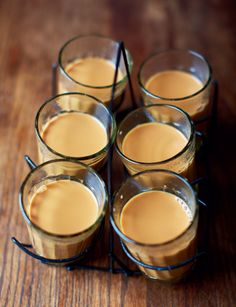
(31, 34)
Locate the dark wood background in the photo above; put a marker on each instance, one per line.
(31, 33)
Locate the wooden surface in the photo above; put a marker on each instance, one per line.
(31, 34)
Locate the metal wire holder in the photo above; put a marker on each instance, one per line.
(114, 260)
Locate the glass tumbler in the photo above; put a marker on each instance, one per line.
(50, 245)
(196, 103)
(74, 102)
(87, 47)
(170, 253)
(183, 162)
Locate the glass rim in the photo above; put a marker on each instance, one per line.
(123, 80)
(111, 138)
(189, 51)
(158, 163)
(48, 233)
(130, 240)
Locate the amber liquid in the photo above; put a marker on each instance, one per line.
(157, 142)
(62, 208)
(175, 84)
(74, 134)
(94, 76)
(154, 218)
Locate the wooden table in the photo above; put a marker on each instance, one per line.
(31, 34)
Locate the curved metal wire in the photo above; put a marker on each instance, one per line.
(159, 268)
(26, 248)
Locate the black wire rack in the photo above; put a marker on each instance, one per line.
(114, 260)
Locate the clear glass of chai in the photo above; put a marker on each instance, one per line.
(63, 204)
(155, 214)
(87, 65)
(75, 126)
(157, 136)
(178, 77)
